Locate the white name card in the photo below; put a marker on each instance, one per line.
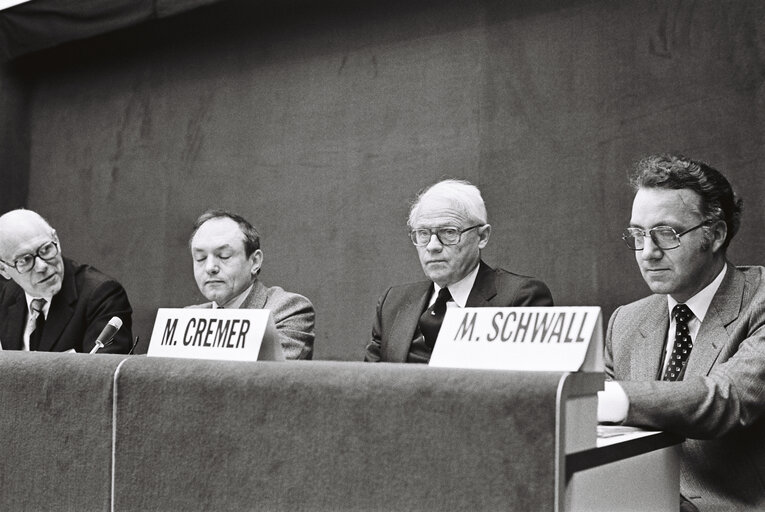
(224, 334)
(531, 339)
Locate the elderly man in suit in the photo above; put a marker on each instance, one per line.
(227, 259)
(51, 303)
(690, 359)
(448, 226)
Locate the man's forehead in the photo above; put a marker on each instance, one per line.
(22, 239)
(437, 212)
(655, 204)
(215, 234)
(214, 245)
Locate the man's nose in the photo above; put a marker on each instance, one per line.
(650, 250)
(434, 244)
(211, 265)
(40, 264)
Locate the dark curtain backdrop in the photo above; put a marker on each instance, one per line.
(320, 123)
(14, 139)
(39, 24)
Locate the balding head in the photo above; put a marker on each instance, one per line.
(19, 223)
(25, 234)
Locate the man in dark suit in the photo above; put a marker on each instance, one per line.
(227, 259)
(448, 226)
(690, 359)
(51, 303)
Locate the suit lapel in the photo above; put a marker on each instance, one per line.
(60, 311)
(408, 314)
(484, 289)
(653, 329)
(256, 299)
(724, 309)
(12, 330)
(405, 323)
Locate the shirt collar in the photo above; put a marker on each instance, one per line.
(461, 289)
(699, 303)
(235, 302)
(46, 306)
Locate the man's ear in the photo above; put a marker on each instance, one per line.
(55, 239)
(483, 235)
(4, 272)
(256, 260)
(718, 231)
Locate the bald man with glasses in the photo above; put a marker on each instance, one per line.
(690, 359)
(49, 303)
(448, 226)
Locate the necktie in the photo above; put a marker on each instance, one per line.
(683, 343)
(39, 318)
(433, 317)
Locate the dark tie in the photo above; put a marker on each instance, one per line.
(433, 317)
(683, 343)
(36, 335)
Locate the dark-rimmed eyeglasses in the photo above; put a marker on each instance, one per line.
(45, 252)
(447, 235)
(663, 237)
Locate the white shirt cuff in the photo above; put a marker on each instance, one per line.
(612, 403)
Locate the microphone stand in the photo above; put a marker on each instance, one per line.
(99, 345)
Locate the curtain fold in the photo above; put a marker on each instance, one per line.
(40, 24)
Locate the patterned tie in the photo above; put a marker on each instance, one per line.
(35, 336)
(683, 343)
(433, 317)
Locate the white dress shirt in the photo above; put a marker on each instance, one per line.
(31, 319)
(613, 403)
(699, 305)
(236, 301)
(460, 291)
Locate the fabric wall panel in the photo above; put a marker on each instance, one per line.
(56, 427)
(204, 435)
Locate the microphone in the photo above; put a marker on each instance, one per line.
(107, 334)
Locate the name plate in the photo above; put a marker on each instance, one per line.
(223, 334)
(525, 338)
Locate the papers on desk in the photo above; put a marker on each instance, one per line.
(605, 431)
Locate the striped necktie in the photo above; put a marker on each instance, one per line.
(35, 336)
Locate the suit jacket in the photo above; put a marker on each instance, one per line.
(400, 307)
(721, 400)
(78, 313)
(293, 315)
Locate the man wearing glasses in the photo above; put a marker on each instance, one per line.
(690, 359)
(51, 303)
(448, 226)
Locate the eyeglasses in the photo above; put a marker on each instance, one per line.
(447, 235)
(45, 252)
(663, 237)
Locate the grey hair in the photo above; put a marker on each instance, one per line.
(461, 193)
